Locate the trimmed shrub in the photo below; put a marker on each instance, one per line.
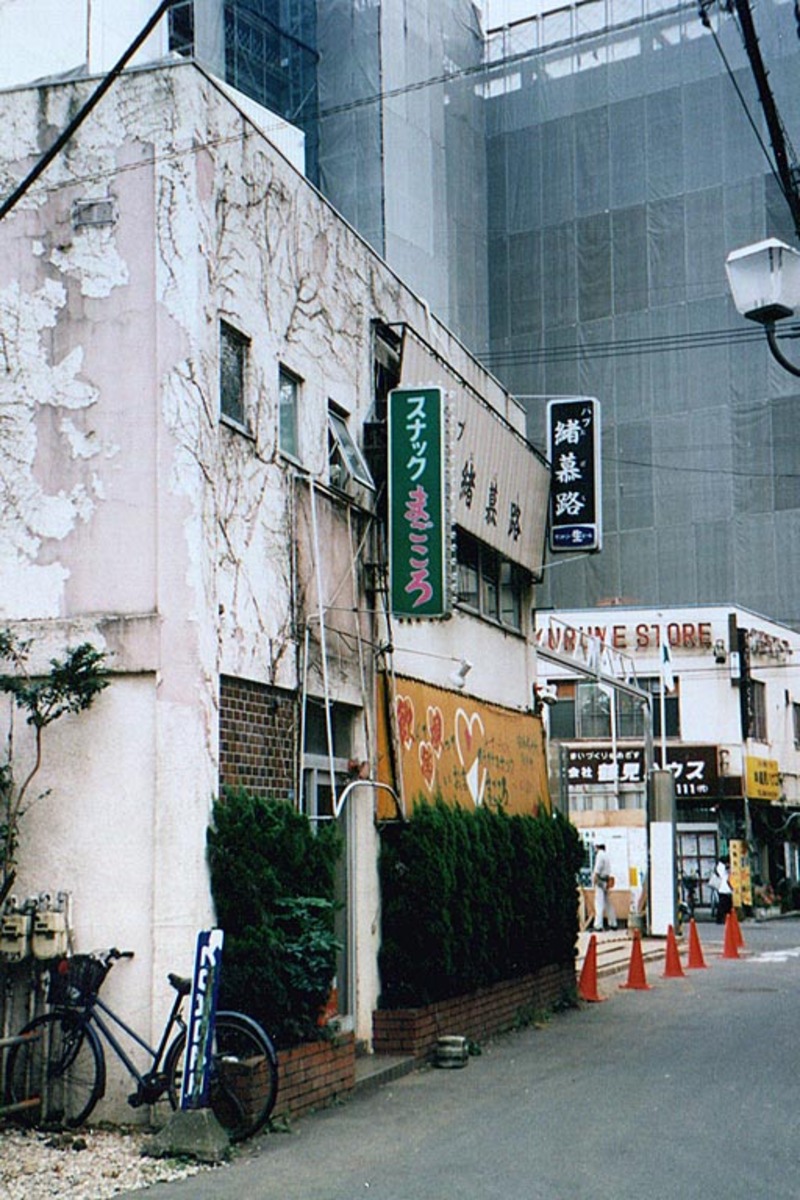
(272, 879)
(469, 899)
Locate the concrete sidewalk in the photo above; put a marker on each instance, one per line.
(613, 958)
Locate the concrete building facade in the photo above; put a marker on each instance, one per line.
(196, 356)
(730, 716)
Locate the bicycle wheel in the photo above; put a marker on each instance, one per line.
(244, 1074)
(59, 1074)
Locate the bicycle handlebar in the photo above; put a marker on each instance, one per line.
(109, 956)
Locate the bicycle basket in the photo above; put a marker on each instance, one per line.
(76, 979)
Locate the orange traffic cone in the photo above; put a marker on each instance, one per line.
(636, 977)
(587, 984)
(730, 948)
(737, 929)
(672, 963)
(696, 959)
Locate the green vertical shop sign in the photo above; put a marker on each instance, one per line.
(417, 518)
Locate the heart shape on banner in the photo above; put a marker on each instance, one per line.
(436, 728)
(469, 741)
(427, 764)
(404, 711)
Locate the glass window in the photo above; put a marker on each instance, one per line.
(344, 457)
(288, 401)
(468, 572)
(759, 698)
(796, 723)
(589, 716)
(671, 708)
(489, 583)
(181, 28)
(562, 719)
(233, 350)
(593, 712)
(316, 730)
(510, 595)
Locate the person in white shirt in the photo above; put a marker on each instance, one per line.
(601, 877)
(720, 883)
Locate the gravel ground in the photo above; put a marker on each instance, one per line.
(90, 1165)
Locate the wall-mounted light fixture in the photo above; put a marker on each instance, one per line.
(720, 652)
(544, 693)
(765, 283)
(459, 677)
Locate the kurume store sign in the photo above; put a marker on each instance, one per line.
(467, 751)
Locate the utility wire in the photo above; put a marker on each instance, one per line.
(706, 20)
(782, 162)
(622, 348)
(82, 113)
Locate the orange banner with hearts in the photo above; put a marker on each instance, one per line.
(467, 751)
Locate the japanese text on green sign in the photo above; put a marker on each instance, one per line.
(417, 519)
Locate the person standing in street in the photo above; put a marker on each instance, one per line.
(720, 883)
(601, 877)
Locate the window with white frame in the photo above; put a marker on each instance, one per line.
(583, 710)
(288, 411)
(489, 583)
(234, 350)
(345, 461)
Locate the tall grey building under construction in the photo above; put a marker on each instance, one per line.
(564, 192)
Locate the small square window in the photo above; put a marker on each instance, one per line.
(233, 351)
(288, 402)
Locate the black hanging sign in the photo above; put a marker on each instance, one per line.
(573, 439)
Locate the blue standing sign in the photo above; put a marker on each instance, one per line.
(203, 1008)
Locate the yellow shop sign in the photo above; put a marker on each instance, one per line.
(762, 778)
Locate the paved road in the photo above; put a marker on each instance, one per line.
(684, 1091)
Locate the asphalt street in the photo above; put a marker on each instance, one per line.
(683, 1091)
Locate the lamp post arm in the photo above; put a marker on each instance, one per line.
(777, 353)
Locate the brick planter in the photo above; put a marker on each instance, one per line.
(314, 1073)
(477, 1015)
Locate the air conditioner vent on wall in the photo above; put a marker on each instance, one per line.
(100, 211)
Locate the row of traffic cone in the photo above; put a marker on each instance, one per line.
(587, 985)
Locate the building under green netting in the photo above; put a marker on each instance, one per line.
(564, 192)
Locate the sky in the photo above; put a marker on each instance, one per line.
(501, 12)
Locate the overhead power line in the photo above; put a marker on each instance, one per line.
(625, 347)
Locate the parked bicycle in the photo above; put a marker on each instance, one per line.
(58, 1074)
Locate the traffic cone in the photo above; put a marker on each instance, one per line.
(672, 962)
(587, 984)
(737, 929)
(636, 977)
(730, 948)
(696, 959)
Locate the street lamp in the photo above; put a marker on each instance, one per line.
(765, 282)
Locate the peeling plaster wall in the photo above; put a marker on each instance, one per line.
(132, 515)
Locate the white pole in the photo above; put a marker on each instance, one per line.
(662, 706)
(662, 693)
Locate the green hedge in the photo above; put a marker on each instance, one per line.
(470, 898)
(272, 879)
